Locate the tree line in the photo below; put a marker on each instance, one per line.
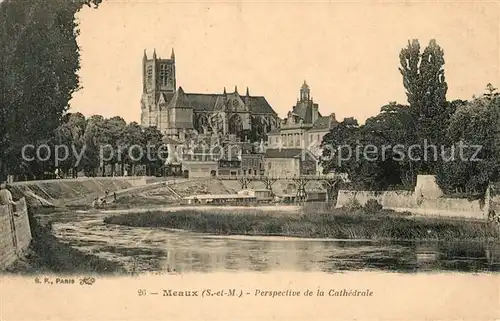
(429, 128)
(94, 146)
(39, 63)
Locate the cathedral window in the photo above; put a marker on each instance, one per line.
(163, 75)
(149, 75)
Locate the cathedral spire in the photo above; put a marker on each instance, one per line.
(154, 53)
(225, 90)
(145, 56)
(172, 55)
(247, 99)
(236, 89)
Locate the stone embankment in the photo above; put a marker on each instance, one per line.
(77, 191)
(15, 232)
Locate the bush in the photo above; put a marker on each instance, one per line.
(353, 205)
(372, 206)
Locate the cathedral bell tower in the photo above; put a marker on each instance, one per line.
(158, 80)
(158, 74)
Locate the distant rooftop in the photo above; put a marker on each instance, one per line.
(284, 152)
(170, 141)
(217, 196)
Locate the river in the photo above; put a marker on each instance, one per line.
(164, 250)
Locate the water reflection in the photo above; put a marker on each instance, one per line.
(144, 249)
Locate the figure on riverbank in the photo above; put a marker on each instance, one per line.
(6, 198)
(96, 203)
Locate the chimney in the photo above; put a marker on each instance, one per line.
(315, 113)
(332, 121)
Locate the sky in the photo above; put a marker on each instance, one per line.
(348, 52)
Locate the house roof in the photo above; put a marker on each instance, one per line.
(304, 111)
(275, 131)
(323, 123)
(283, 153)
(218, 196)
(168, 140)
(251, 155)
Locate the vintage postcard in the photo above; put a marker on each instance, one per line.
(249, 160)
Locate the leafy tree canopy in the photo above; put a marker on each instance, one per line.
(39, 60)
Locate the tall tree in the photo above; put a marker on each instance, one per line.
(70, 135)
(390, 128)
(425, 84)
(133, 138)
(39, 60)
(92, 142)
(154, 154)
(477, 126)
(336, 145)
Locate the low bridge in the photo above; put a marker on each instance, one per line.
(330, 182)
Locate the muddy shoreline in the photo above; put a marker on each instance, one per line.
(47, 254)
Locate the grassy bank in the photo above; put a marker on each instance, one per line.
(47, 254)
(339, 224)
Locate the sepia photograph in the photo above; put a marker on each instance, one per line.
(171, 139)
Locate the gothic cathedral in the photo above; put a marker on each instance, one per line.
(178, 114)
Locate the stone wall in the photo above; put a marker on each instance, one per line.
(15, 233)
(388, 199)
(426, 199)
(427, 187)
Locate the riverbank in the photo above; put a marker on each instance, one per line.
(47, 254)
(337, 224)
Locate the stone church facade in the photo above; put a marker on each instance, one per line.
(178, 114)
